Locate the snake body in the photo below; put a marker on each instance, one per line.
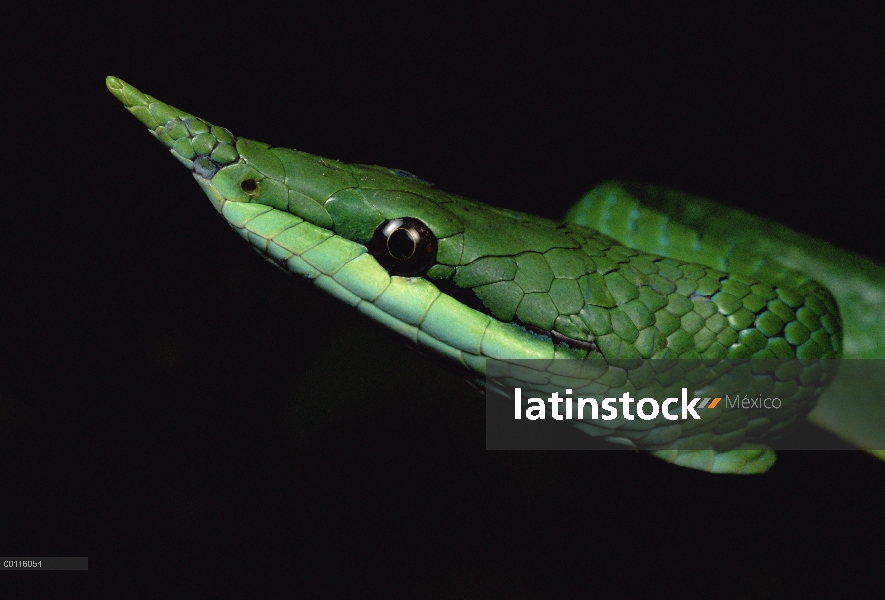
(631, 273)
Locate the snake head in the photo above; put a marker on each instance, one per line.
(353, 201)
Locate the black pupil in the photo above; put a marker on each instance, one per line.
(404, 246)
(401, 244)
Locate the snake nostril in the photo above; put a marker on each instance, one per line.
(249, 186)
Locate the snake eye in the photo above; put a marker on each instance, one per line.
(404, 247)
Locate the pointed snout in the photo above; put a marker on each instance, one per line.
(197, 144)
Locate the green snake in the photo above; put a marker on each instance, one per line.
(632, 272)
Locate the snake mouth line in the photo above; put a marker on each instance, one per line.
(558, 338)
(468, 298)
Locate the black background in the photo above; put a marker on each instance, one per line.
(201, 425)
